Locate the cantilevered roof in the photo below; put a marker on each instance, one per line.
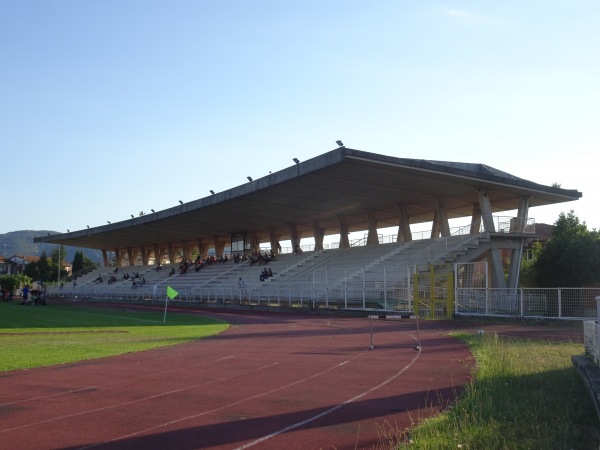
(342, 183)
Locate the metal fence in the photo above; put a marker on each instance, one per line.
(383, 294)
(555, 303)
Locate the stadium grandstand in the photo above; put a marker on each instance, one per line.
(219, 249)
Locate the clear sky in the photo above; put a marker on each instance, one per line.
(108, 108)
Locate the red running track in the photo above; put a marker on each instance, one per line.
(271, 381)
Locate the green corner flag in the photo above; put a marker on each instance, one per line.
(171, 293)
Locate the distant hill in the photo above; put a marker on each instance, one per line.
(21, 243)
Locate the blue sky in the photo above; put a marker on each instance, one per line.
(114, 107)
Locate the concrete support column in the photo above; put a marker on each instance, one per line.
(145, 255)
(118, 258)
(485, 205)
(294, 235)
(130, 256)
(202, 249)
(254, 242)
(185, 251)
(104, 257)
(522, 214)
(274, 241)
(219, 245)
(443, 217)
(496, 269)
(435, 225)
(344, 241)
(514, 268)
(404, 232)
(157, 254)
(171, 252)
(319, 234)
(475, 219)
(372, 237)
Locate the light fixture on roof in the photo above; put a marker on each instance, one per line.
(88, 226)
(249, 178)
(212, 192)
(132, 216)
(68, 231)
(108, 222)
(180, 202)
(152, 210)
(296, 160)
(340, 143)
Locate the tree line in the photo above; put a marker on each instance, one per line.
(47, 269)
(570, 258)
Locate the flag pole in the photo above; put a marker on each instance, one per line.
(165, 316)
(171, 294)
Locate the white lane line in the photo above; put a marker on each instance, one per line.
(115, 383)
(118, 405)
(330, 410)
(229, 405)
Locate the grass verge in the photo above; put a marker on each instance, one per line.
(34, 336)
(526, 395)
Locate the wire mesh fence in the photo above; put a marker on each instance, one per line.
(383, 289)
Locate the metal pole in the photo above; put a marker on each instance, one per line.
(345, 287)
(326, 287)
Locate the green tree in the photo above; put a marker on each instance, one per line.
(571, 258)
(81, 262)
(9, 282)
(40, 270)
(78, 262)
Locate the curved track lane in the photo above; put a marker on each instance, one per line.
(270, 381)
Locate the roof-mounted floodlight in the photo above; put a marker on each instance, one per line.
(296, 160)
(249, 178)
(212, 192)
(340, 143)
(108, 222)
(88, 226)
(132, 216)
(152, 210)
(180, 202)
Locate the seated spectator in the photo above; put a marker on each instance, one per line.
(270, 272)
(172, 272)
(116, 270)
(159, 267)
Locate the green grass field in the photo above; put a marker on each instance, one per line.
(526, 395)
(34, 336)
